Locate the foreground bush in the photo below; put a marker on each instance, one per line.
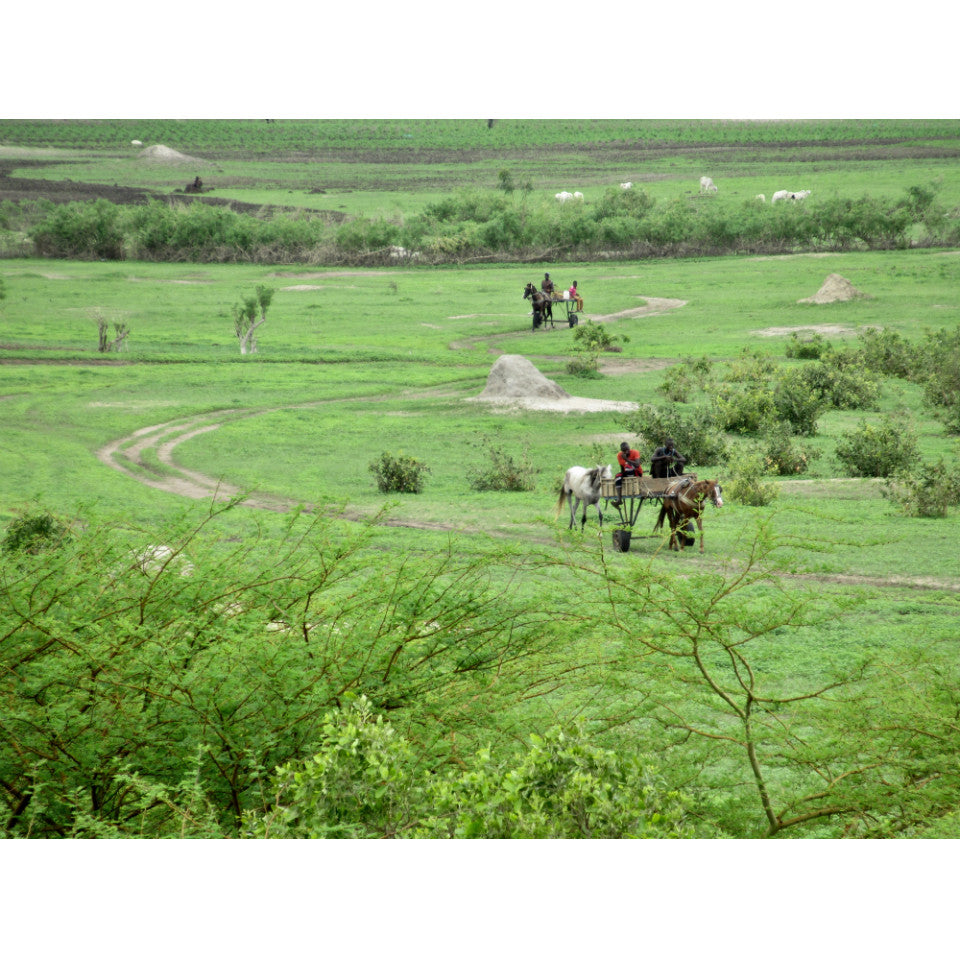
(364, 782)
(147, 695)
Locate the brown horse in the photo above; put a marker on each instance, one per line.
(684, 501)
(542, 305)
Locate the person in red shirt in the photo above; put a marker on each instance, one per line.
(630, 466)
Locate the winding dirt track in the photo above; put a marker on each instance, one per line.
(134, 455)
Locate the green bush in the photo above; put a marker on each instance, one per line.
(744, 410)
(797, 403)
(807, 348)
(695, 431)
(364, 781)
(783, 456)
(744, 480)
(879, 450)
(925, 493)
(34, 533)
(400, 474)
(503, 472)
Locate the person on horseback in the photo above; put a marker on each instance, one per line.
(667, 460)
(630, 466)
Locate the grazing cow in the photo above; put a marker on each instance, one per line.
(627, 185)
(707, 185)
(577, 195)
(790, 195)
(563, 196)
(583, 485)
(761, 198)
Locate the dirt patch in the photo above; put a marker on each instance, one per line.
(827, 329)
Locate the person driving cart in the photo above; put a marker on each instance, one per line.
(630, 466)
(667, 460)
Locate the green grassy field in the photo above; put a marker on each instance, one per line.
(353, 363)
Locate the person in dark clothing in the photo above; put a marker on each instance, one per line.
(667, 460)
(547, 285)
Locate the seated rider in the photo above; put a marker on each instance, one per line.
(574, 295)
(667, 460)
(630, 466)
(547, 285)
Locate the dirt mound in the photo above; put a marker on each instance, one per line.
(514, 376)
(515, 381)
(158, 153)
(834, 289)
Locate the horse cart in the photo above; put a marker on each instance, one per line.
(634, 492)
(543, 306)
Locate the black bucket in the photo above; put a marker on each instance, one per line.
(621, 540)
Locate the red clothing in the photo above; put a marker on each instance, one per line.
(629, 469)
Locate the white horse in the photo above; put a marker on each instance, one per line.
(581, 484)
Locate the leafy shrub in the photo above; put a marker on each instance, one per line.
(746, 410)
(503, 472)
(783, 456)
(797, 403)
(744, 481)
(81, 230)
(682, 378)
(586, 366)
(925, 493)
(364, 782)
(695, 431)
(34, 533)
(886, 353)
(595, 337)
(399, 474)
(878, 450)
(939, 371)
(808, 348)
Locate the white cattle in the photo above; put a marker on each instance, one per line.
(761, 198)
(564, 196)
(577, 195)
(707, 185)
(627, 185)
(790, 195)
(136, 143)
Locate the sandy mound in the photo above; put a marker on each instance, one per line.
(834, 288)
(514, 381)
(158, 153)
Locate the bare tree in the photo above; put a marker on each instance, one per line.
(120, 334)
(250, 315)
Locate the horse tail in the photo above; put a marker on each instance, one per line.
(663, 513)
(563, 496)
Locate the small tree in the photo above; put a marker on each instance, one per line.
(880, 450)
(249, 316)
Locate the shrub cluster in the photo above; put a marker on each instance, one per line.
(478, 224)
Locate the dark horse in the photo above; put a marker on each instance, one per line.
(684, 501)
(542, 305)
